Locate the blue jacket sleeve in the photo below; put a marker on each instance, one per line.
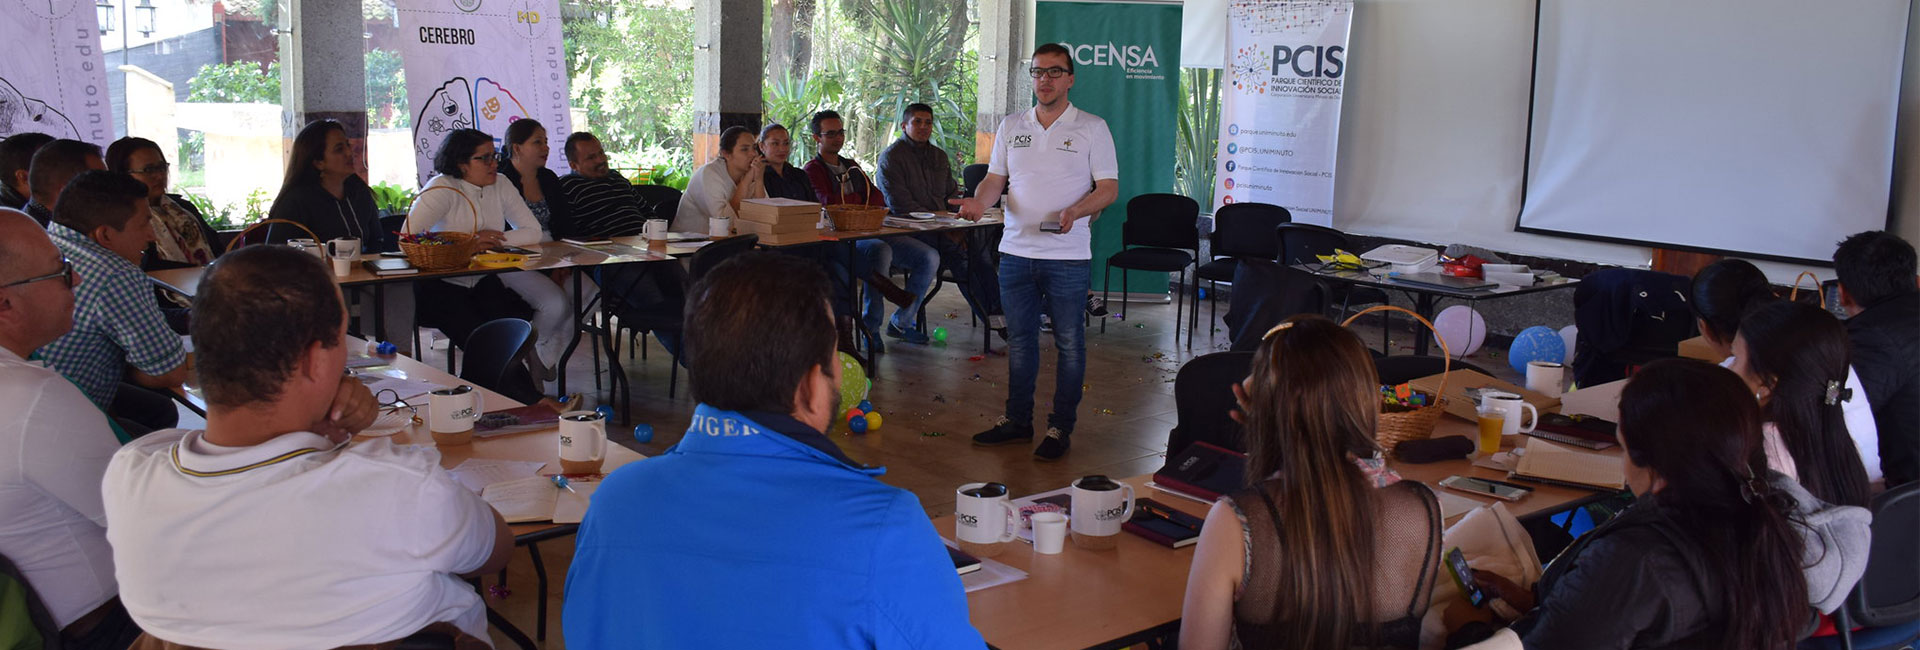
(918, 600)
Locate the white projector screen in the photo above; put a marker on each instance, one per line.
(1761, 128)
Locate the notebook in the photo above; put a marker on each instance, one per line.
(389, 266)
(962, 562)
(536, 498)
(1203, 471)
(1557, 464)
(1163, 525)
(1578, 430)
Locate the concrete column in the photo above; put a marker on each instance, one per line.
(727, 67)
(1006, 41)
(322, 50)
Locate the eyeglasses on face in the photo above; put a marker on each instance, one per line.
(833, 133)
(1050, 73)
(156, 168)
(489, 159)
(65, 273)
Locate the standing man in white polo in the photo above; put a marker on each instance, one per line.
(1056, 164)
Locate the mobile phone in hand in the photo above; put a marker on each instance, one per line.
(1050, 226)
(1463, 576)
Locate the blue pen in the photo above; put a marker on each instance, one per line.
(561, 482)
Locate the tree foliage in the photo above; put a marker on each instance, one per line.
(1199, 134)
(631, 65)
(239, 82)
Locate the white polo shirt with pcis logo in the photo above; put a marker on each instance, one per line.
(1048, 169)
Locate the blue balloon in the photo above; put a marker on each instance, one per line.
(1537, 343)
(643, 433)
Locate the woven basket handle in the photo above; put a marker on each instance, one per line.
(1446, 353)
(239, 239)
(1795, 294)
(407, 225)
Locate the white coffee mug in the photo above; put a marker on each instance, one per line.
(1049, 532)
(1545, 377)
(1512, 405)
(345, 248)
(1100, 505)
(451, 413)
(656, 229)
(983, 518)
(583, 442)
(719, 227)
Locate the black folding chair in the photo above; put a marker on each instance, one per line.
(1303, 243)
(1239, 230)
(1203, 399)
(496, 355)
(1162, 234)
(1886, 603)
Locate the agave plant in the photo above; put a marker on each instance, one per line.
(791, 101)
(1199, 133)
(916, 54)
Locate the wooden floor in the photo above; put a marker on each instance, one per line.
(933, 398)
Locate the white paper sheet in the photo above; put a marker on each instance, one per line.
(478, 473)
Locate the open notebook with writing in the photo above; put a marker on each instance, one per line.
(1548, 462)
(536, 498)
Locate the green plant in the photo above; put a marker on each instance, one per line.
(631, 67)
(1198, 136)
(258, 205)
(240, 82)
(916, 55)
(386, 90)
(792, 101)
(218, 218)
(392, 199)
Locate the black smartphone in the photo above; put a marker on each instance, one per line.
(1050, 226)
(1463, 576)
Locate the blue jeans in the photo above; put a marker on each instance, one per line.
(1063, 284)
(921, 263)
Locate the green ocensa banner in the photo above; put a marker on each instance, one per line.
(1126, 59)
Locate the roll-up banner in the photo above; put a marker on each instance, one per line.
(1126, 59)
(482, 64)
(1280, 109)
(53, 79)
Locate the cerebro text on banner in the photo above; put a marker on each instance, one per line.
(1280, 106)
(52, 78)
(482, 64)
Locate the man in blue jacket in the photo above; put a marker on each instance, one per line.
(756, 531)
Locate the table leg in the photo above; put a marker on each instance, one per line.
(379, 312)
(513, 633)
(540, 578)
(1423, 305)
(578, 317)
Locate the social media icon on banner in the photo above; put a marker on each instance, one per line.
(1226, 200)
(1233, 148)
(1231, 165)
(1233, 129)
(1229, 183)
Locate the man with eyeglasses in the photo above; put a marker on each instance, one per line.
(836, 180)
(102, 224)
(52, 521)
(1057, 166)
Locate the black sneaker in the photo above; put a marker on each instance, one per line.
(1004, 432)
(1054, 445)
(1096, 306)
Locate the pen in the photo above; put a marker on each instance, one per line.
(561, 482)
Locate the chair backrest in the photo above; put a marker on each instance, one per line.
(270, 231)
(492, 351)
(1628, 317)
(661, 201)
(1203, 396)
(1400, 370)
(1300, 242)
(393, 223)
(1889, 592)
(711, 255)
(1162, 221)
(1247, 230)
(971, 175)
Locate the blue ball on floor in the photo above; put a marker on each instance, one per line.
(857, 425)
(605, 410)
(643, 433)
(866, 406)
(1537, 343)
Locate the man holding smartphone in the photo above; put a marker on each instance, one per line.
(1057, 166)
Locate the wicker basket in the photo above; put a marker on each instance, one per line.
(849, 217)
(1397, 427)
(456, 254)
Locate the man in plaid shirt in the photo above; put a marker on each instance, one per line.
(101, 225)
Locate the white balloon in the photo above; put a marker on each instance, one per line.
(1568, 335)
(1463, 329)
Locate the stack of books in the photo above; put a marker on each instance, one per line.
(779, 221)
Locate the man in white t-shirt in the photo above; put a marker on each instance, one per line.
(1057, 166)
(267, 530)
(57, 444)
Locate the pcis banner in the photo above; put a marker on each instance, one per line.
(1280, 105)
(482, 64)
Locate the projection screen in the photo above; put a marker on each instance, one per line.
(1759, 128)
